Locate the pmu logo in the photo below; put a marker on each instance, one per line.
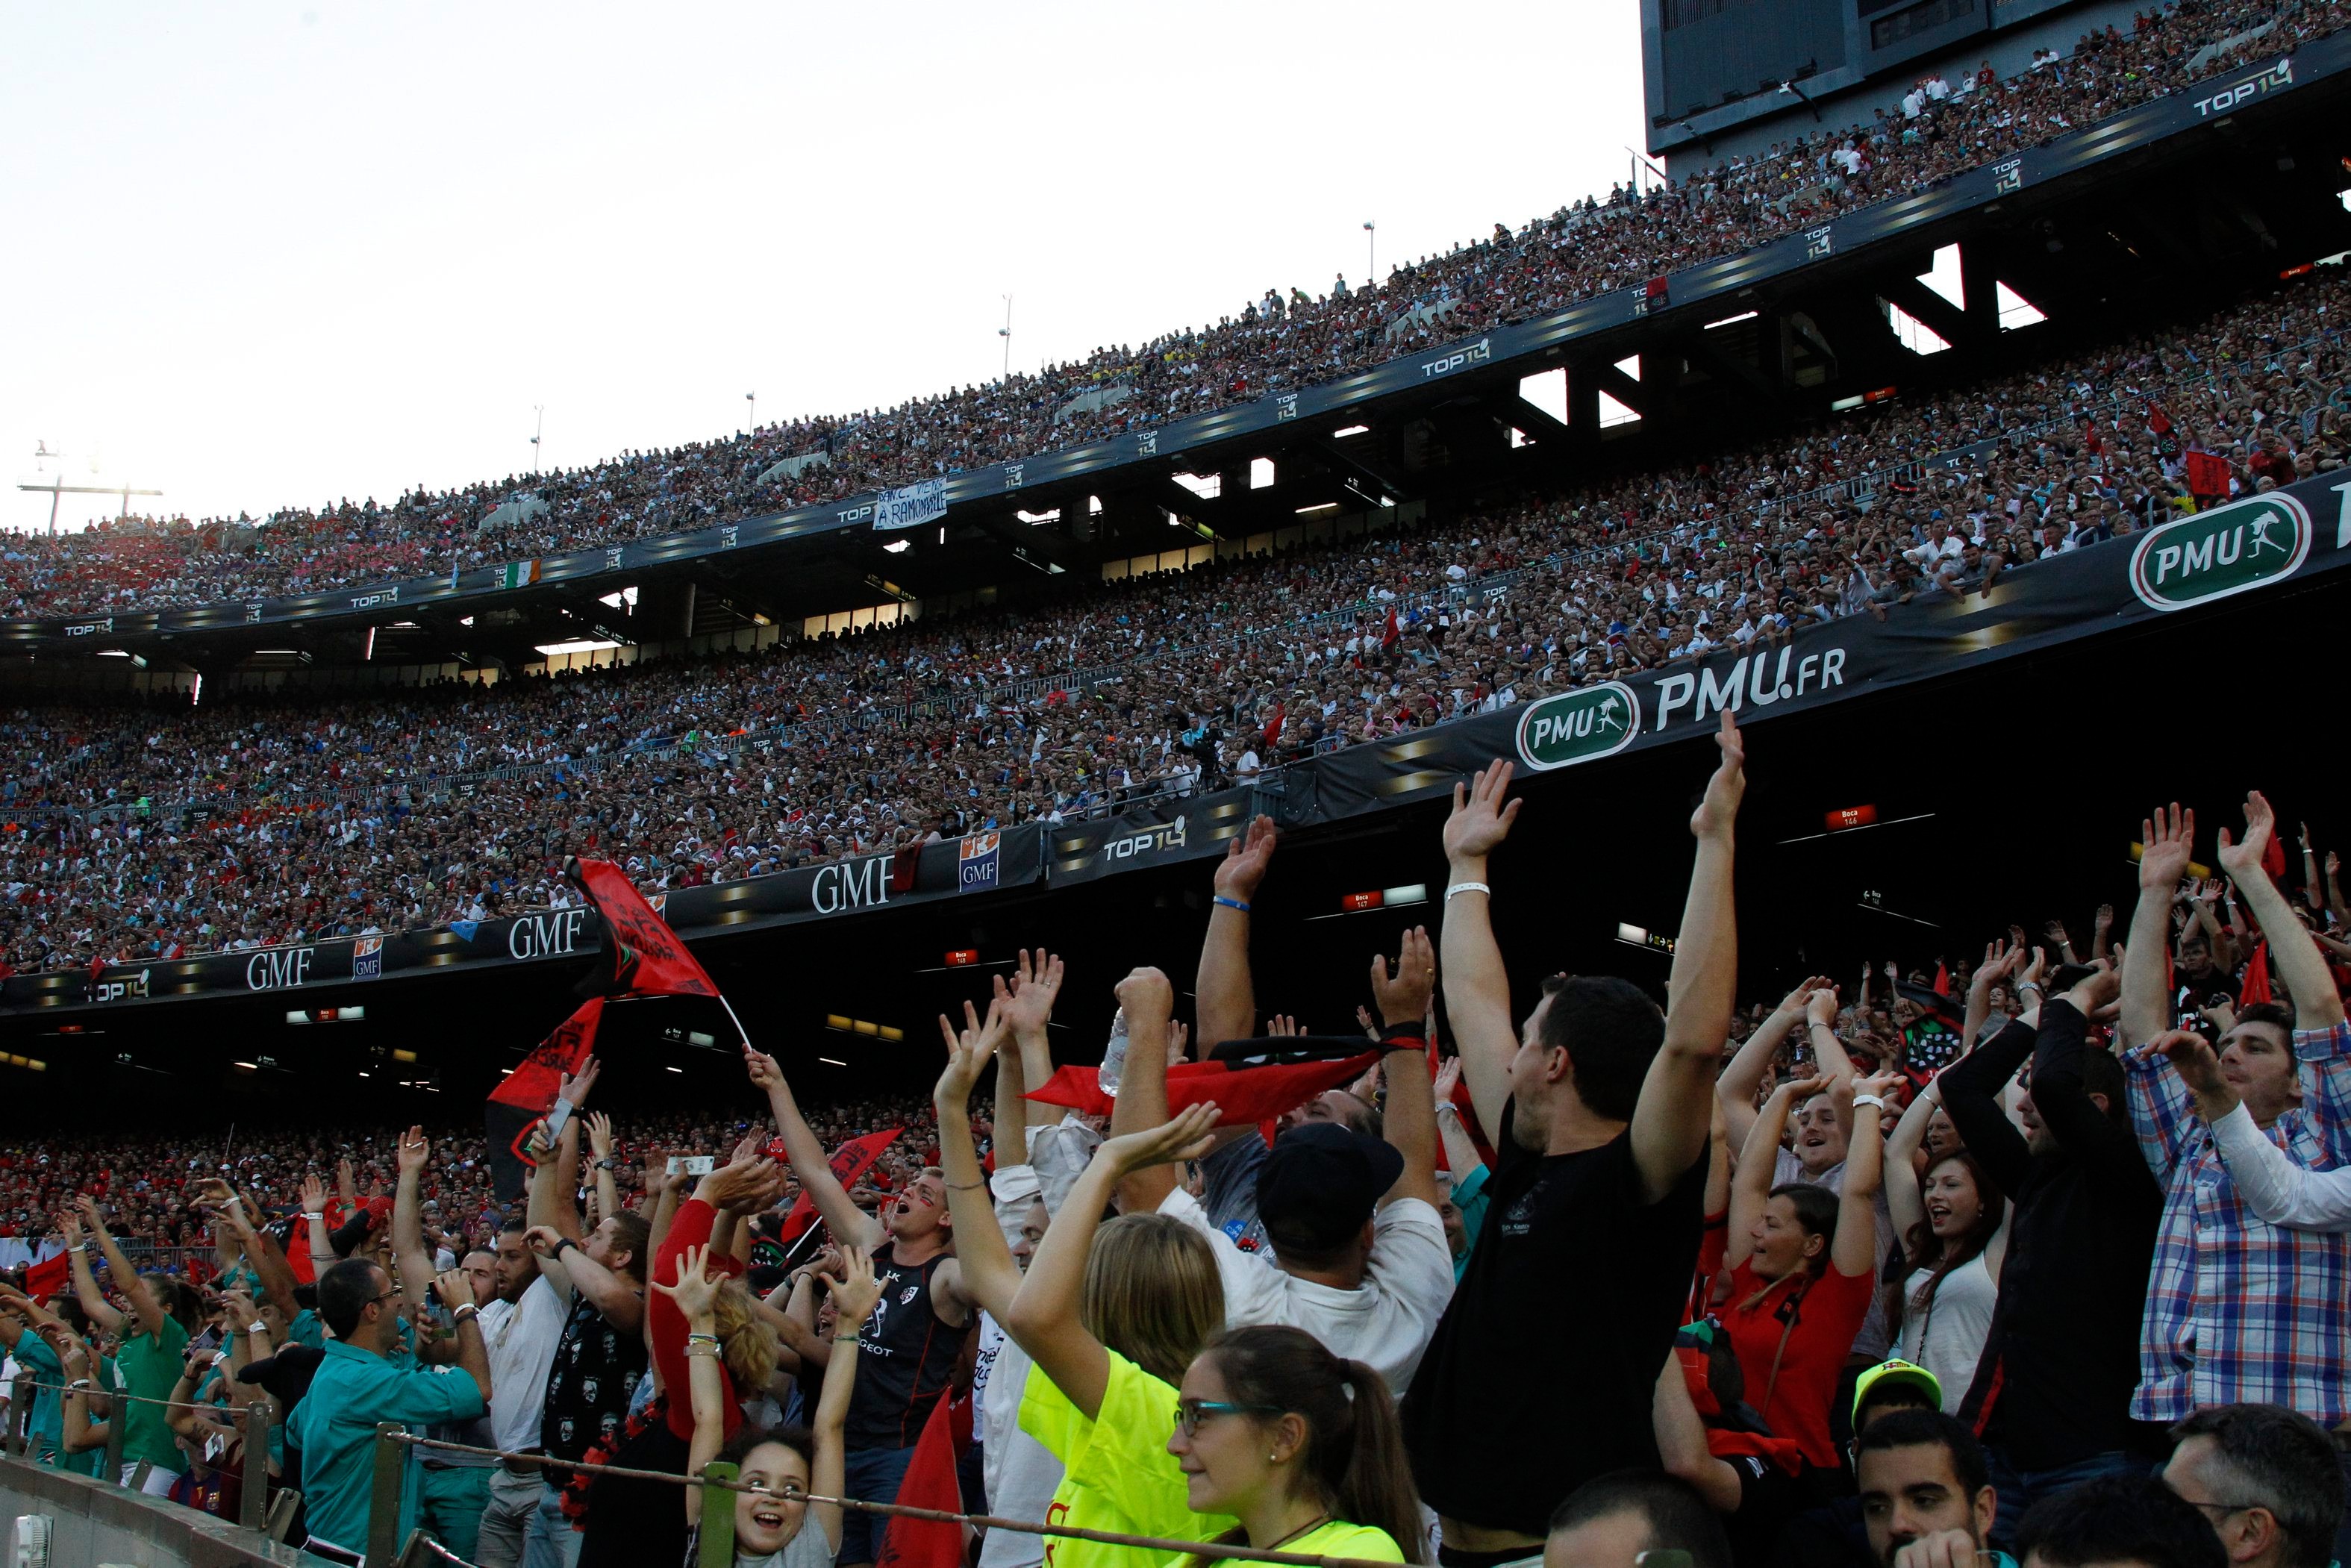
(852, 884)
(1576, 727)
(2229, 550)
(276, 969)
(1446, 364)
(1166, 836)
(2264, 80)
(552, 936)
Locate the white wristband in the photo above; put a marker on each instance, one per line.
(1861, 1100)
(1468, 887)
(257, 1327)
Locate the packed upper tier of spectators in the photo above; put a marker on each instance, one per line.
(1914, 1272)
(1586, 247)
(158, 828)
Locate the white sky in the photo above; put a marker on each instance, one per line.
(269, 253)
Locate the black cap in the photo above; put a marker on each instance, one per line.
(1319, 1183)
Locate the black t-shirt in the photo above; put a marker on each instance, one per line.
(590, 1382)
(907, 1356)
(1543, 1369)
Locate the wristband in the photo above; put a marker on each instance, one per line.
(695, 1339)
(845, 1339)
(79, 1383)
(710, 1350)
(1468, 887)
(1401, 1036)
(560, 1243)
(1860, 1100)
(257, 1326)
(463, 1310)
(1231, 903)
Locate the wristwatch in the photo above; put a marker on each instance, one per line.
(607, 1164)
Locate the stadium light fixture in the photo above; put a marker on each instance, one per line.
(1050, 515)
(897, 546)
(1319, 507)
(1207, 486)
(1732, 320)
(578, 645)
(1260, 473)
(1344, 430)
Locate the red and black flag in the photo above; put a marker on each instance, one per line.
(527, 1093)
(643, 956)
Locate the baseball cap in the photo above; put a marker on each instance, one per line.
(1319, 1183)
(1894, 1373)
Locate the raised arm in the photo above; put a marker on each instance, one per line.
(1999, 961)
(1670, 1120)
(1751, 1181)
(143, 1304)
(851, 1226)
(696, 1297)
(1224, 998)
(549, 1206)
(1409, 1121)
(1043, 1318)
(1854, 1249)
(1743, 1076)
(2271, 1185)
(1148, 1001)
(2293, 956)
(600, 1150)
(1026, 1007)
(93, 1301)
(2165, 840)
(854, 1294)
(990, 1278)
(1461, 1155)
(1476, 987)
(1906, 1206)
(1035, 986)
(410, 1257)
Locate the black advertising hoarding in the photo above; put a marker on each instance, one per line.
(1709, 285)
(982, 862)
(2252, 546)
(2244, 547)
(1159, 832)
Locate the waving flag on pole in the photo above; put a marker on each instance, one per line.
(1244, 1096)
(850, 1162)
(643, 956)
(527, 1093)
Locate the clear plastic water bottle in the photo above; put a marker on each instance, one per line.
(1114, 1063)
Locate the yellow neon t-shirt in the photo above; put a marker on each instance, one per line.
(1117, 1473)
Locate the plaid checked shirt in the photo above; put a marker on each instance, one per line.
(2238, 1309)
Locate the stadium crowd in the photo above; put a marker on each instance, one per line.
(159, 828)
(1587, 247)
(2040, 1259)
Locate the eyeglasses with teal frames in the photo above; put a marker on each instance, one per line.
(1189, 1412)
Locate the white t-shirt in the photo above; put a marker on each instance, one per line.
(1953, 1329)
(1021, 1473)
(521, 1337)
(1386, 1323)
